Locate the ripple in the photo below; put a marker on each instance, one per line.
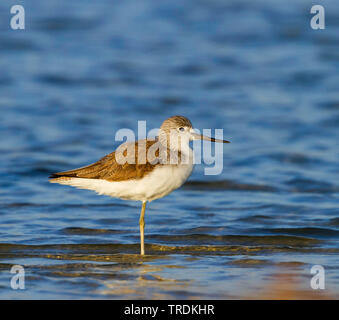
(250, 262)
(296, 158)
(236, 239)
(130, 252)
(9, 44)
(89, 231)
(304, 185)
(313, 232)
(63, 23)
(334, 222)
(330, 105)
(190, 69)
(66, 81)
(226, 185)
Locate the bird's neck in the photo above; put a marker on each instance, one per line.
(179, 151)
(174, 143)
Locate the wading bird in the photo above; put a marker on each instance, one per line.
(144, 170)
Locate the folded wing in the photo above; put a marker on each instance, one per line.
(108, 168)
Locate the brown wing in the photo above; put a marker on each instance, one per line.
(109, 169)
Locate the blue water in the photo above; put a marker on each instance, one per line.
(82, 70)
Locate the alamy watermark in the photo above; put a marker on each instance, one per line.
(18, 280)
(318, 20)
(170, 147)
(18, 19)
(318, 280)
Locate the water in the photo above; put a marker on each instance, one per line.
(79, 72)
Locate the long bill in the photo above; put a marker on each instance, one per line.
(197, 136)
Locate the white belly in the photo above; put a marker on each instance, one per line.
(157, 184)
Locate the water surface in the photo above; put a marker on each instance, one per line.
(79, 72)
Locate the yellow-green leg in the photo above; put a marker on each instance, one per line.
(142, 228)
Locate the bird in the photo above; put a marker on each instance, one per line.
(143, 170)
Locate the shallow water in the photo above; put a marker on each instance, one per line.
(78, 73)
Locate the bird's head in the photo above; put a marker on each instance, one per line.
(178, 130)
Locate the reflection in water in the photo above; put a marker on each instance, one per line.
(286, 286)
(109, 271)
(148, 284)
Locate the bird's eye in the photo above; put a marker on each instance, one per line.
(181, 129)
